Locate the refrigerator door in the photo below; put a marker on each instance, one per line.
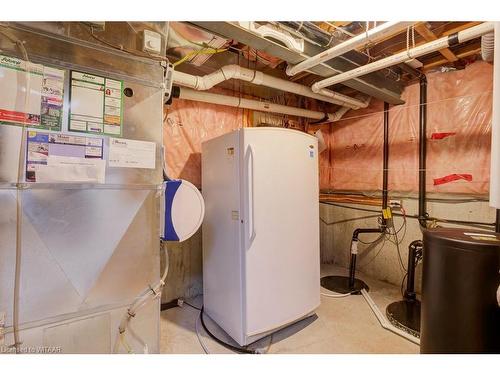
(281, 227)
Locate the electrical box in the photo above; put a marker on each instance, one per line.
(151, 42)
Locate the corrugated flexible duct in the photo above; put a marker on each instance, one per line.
(488, 47)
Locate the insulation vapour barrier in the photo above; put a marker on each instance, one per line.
(459, 115)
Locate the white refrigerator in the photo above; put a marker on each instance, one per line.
(261, 230)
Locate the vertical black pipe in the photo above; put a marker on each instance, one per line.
(412, 262)
(352, 271)
(497, 222)
(422, 214)
(385, 178)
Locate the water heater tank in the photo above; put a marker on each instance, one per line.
(460, 312)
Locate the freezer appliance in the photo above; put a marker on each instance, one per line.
(261, 263)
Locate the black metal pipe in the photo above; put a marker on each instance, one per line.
(354, 250)
(352, 271)
(358, 231)
(414, 254)
(385, 175)
(497, 222)
(385, 199)
(422, 155)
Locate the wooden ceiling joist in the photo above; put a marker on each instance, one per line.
(467, 51)
(429, 36)
(431, 63)
(456, 29)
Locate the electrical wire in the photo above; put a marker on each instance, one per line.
(197, 328)
(140, 301)
(192, 54)
(194, 307)
(19, 203)
(372, 242)
(362, 266)
(122, 48)
(402, 284)
(347, 220)
(239, 350)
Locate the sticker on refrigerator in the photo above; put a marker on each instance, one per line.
(128, 153)
(96, 104)
(52, 157)
(43, 108)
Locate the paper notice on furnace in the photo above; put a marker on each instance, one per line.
(96, 104)
(128, 153)
(43, 108)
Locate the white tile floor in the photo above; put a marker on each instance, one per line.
(341, 325)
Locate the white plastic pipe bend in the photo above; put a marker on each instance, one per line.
(227, 72)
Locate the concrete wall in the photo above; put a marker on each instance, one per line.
(380, 260)
(185, 271)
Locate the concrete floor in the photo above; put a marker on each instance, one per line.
(341, 325)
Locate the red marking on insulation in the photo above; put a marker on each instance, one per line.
(442, 135)
(452, 177)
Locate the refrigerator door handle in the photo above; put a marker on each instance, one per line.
(251, 186)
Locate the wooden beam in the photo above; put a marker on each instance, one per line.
(456, 29)
(429, 36)
(350, 198)
(340, 23)
(299, 76)
(463, 53)
(446, 33)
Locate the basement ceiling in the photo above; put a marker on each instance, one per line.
(246, 48)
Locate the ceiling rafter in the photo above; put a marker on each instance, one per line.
(429, 36)
(467, 51)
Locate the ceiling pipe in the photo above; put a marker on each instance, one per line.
(445, 42)
(384, 30)
(233, 101)
(258, 78)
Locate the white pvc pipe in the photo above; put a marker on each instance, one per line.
(258, 78)
(495, 126)
(460, 37)
(384, 30)
(384, 322)
(233, 101)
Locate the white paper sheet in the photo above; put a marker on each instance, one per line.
(71, 169)
(127, 153)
